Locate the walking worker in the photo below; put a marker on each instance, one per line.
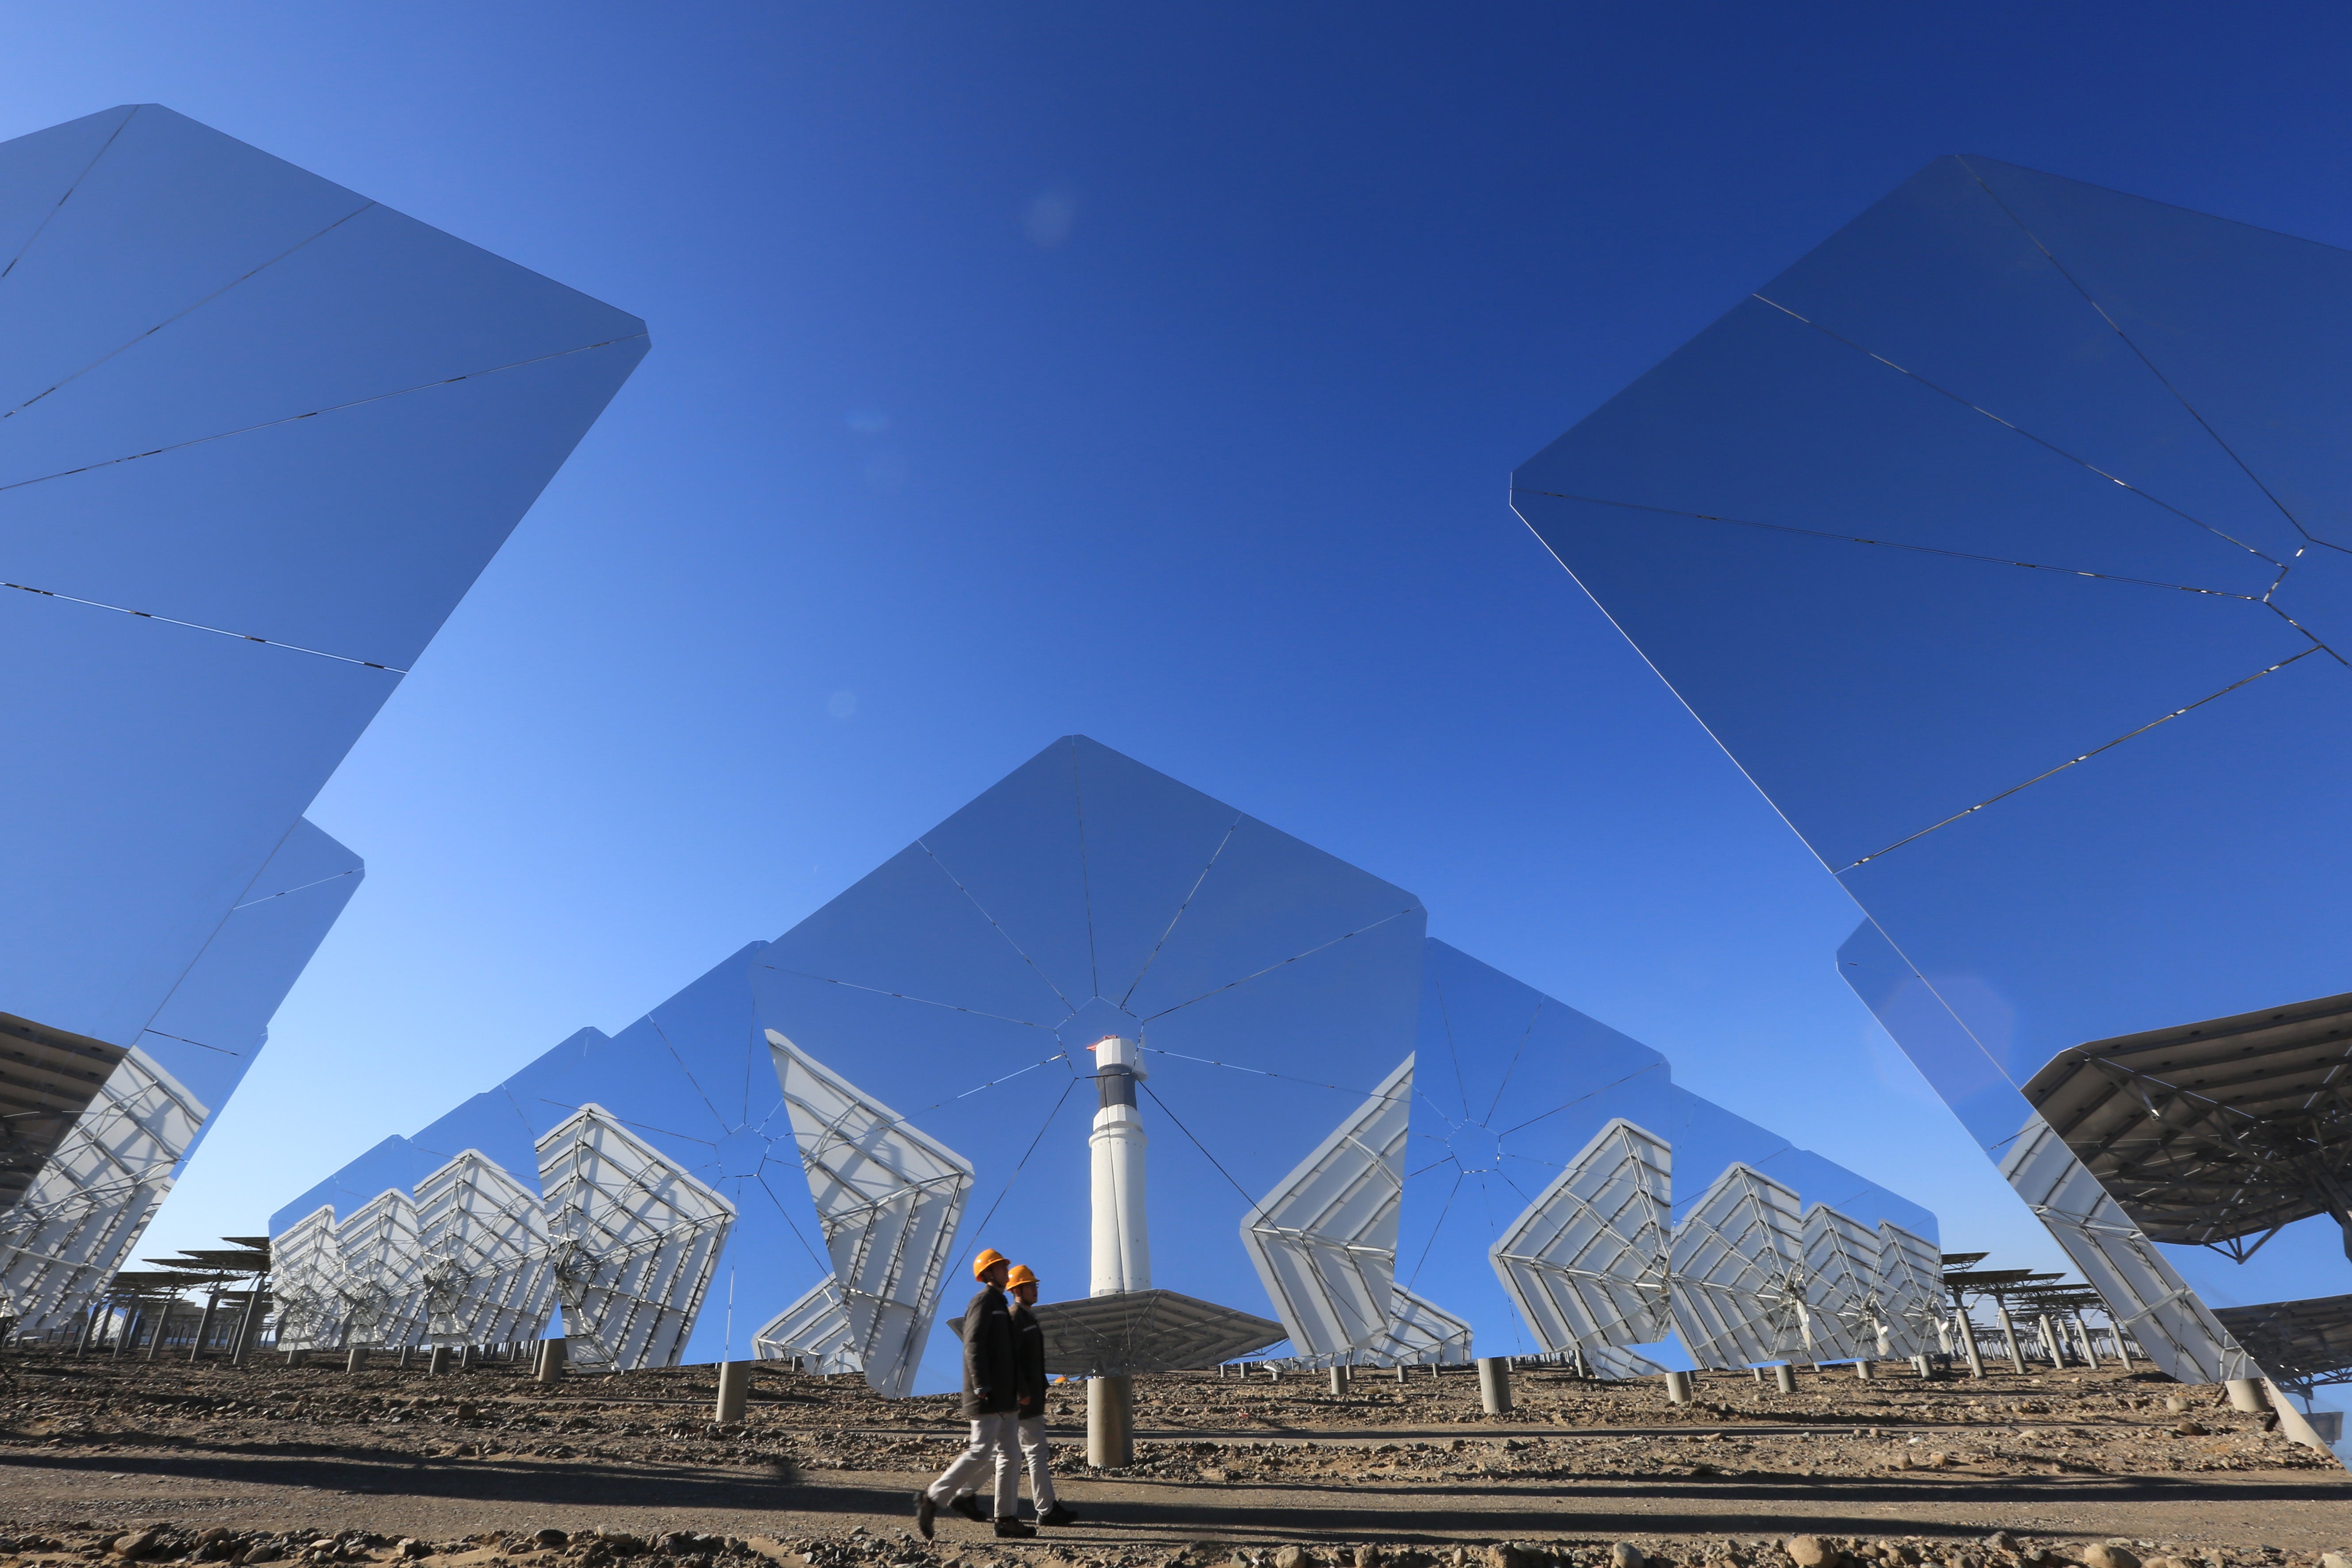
(1029, 1379)
(1029, 1367)
(990, 1400)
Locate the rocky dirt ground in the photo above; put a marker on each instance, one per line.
(164, 1463)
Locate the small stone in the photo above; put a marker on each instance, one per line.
(1625, 1554)
(2175, 1404)
(1808, 1552)
(134, 1545)
(1368, 1557)
(551, 1538)
(1293, 1557)
(2334, 1560)
(2191, 1429)
(1999, 1541)
(2099, 1554)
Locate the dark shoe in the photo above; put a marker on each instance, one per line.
(1057, 1514)
(925, 1510)
(1013, 1530)
(968, 1505)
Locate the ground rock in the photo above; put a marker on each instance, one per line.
(1625, 1554)
(1293, 1557)
(1813, 1552)
(2099, 1554)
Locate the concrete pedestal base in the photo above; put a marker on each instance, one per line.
(734, 1391)
(1784, 1378)
(1494, 1384)
(1110, 1422)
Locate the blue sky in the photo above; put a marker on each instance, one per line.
(1153, 375)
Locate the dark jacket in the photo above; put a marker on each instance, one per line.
(989, 1382)
(1028, 1361)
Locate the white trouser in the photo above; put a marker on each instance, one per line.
(991, 1444)
(1038, 1455)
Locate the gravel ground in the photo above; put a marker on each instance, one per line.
(165, 1463)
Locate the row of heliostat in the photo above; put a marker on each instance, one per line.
(1398, 1150)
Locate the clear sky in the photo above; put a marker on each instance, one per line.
(1149, 373)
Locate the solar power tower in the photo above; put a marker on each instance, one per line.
(2003, 541)
(257, 436)
(1216, 1086)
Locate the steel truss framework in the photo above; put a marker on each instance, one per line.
(483, 1276)
(308, 1268)
(68, 1235)
(2216, 1133)
(1739, 1270)
(1324, 1240)
(1911, 1290)
(889, 1199)
(633, 1241)
(1845, 1308)
(816, 1328)
(381, 1271)
(1586, 1262)
(2142, 1291)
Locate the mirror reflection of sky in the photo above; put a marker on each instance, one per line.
(1271, 984)
(2002, 541)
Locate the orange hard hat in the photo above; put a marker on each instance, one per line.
(1021, 1275)
(989, 1259)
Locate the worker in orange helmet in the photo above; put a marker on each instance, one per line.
(991, 1402)
(1029, 1363)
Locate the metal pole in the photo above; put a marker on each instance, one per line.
(553, 1354)
(204, 1324)
(2009, 1332)
(1784, 1378)
(1339, 1380)
(1678, 1388)
(438, 1365)
(2052, 1345)
(355, 1359)
(247, 1321)
(1966, 1331)
(162, 1321)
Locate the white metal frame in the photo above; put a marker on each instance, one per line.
(1586, 1263)
(1841, 1286)
(1911, 1291)
(306, 1267)
(1324, 1241)
(816, 1327)
(633, 1241)
(381, 1280)
(889, 1199)
(2142, 1291)
(1738, 1266)
(88, 1204)
(485, 1276)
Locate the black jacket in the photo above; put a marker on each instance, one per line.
(1028, 1361)
(991, 1384)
